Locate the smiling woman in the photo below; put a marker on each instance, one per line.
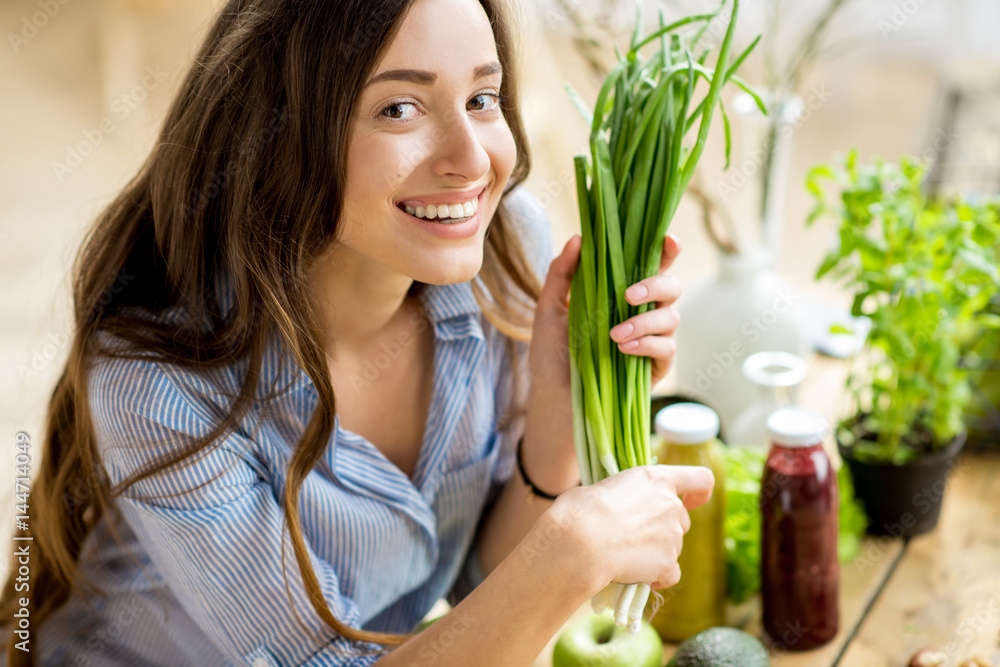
(291, 429)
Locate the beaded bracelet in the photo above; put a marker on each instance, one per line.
(520, 466)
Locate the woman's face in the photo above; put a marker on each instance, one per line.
(429, 140)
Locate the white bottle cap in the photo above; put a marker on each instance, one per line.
(796, 427)
(687, 424)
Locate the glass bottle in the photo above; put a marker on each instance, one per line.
(689, 433)
(776, 376)
(798, 504)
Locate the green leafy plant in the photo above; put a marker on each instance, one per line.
(983, 361)
(744, 470)
(983, 416)
(924, 272)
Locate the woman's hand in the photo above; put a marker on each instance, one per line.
(629, 527)
(650, 334)
(550, 407)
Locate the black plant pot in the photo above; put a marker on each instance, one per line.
(903, 500)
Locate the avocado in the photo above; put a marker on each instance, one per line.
(720, 647)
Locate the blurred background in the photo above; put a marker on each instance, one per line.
(87, 82)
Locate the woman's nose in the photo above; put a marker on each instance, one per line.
(459, 150)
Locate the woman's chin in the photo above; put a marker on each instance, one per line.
(461, 272)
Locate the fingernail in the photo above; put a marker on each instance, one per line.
(637, 291)
(622, 330)
(629, 345)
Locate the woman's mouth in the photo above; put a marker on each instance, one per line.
(444, 213)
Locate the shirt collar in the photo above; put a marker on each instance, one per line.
(445, 303)
(452, 310)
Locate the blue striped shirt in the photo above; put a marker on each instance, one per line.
(384, 547)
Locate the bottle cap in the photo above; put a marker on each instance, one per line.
(796, 427)
(687, 424)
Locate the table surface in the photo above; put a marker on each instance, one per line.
(939, 590)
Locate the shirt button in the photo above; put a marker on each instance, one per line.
(261, 662)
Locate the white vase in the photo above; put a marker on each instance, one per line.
(745, 308)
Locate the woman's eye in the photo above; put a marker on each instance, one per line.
(399, 111)
(484, 102)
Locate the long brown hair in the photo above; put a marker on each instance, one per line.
(222, 194)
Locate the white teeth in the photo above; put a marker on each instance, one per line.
(445, 211)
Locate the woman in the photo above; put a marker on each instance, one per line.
(287, 425)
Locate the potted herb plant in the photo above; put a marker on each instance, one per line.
(983, 361)
(924, 271)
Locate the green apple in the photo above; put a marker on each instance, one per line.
(595, 641)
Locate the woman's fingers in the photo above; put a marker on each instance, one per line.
(693, 484)
(660, 289)
(661, 321)
(642, 533)
(660, 348)
(555, 291)
(670, 578)
(685, 520)
(671, 248)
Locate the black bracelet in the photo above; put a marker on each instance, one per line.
(520, 466)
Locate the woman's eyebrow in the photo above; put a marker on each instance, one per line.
(427, 78)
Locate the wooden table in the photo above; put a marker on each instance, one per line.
(938, 590)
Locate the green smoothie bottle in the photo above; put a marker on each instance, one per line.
(689, 433)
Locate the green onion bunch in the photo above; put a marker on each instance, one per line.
(628, 189)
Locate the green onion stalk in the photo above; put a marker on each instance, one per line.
(628, 188)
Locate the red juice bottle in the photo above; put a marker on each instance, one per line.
(798, 505)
